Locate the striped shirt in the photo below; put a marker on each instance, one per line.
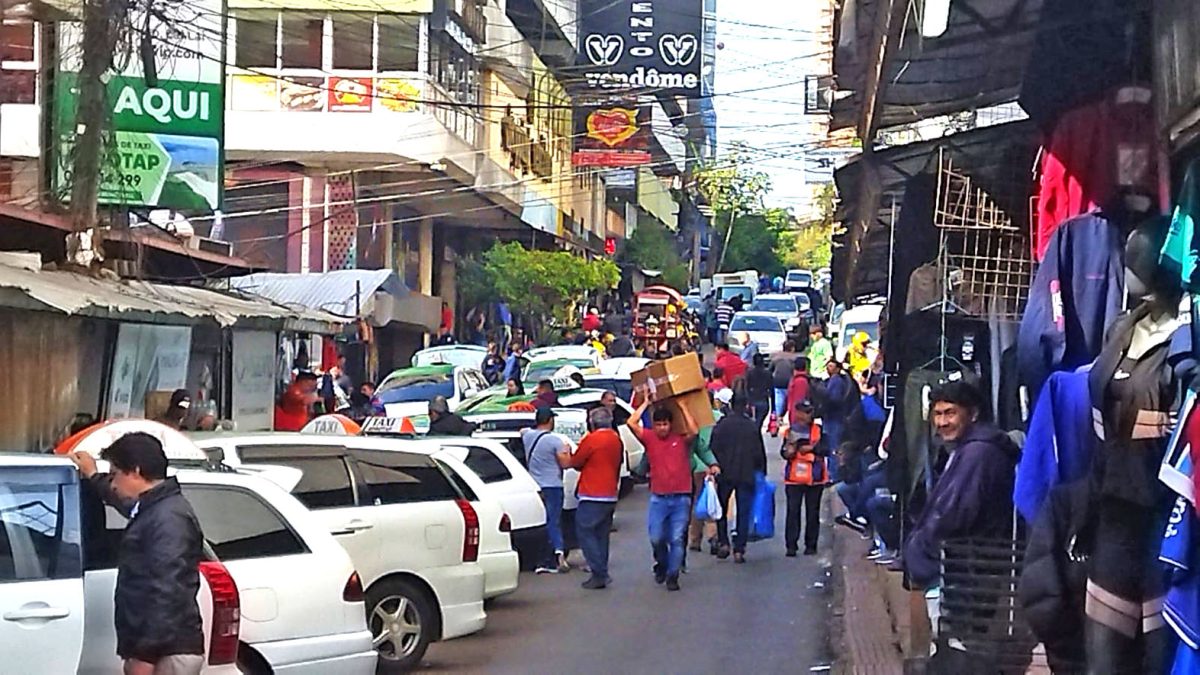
(724, 315)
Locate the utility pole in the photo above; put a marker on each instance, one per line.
(102, 24)
(725, 245)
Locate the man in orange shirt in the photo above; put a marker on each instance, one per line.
(598, 459)
(294, 408)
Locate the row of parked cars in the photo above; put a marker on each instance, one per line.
(327, 554)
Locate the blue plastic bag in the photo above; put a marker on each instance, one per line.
(762, 520)
(708, 505)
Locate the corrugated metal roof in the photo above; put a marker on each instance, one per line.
(24, 286)
(346, 293)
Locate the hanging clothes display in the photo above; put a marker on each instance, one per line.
(1059, 443)
(1095, 152)
(1133, 389)
(1075, 296)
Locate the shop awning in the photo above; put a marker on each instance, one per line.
(998, 158)
(23, 285)
(978, 61)
(377, 295)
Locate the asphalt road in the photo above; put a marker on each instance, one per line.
(770, 615)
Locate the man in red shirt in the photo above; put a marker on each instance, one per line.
(295, 406)
(798, 388)
(670, 458)
(598, 459)
(730, 364)
(591, 321)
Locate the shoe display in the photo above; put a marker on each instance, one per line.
(672, 583)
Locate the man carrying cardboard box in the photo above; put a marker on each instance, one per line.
(669, 454)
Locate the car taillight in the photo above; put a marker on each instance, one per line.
(226, 613)
(470, 532)
(505, 523)
(353, 592)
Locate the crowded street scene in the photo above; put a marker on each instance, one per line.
(347, 337)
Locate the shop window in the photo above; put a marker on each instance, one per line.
(353, 37)
(18, 63)
(302, 40)
(399, 42)
(256, 39)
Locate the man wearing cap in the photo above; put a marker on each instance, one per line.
(177, 410)
(545, 454)
(442, 422)
(804, 476)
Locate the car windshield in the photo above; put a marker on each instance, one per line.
(871, 329)
(787, 305)
(728, 292)
(545, 371)
(756, 323)
(402, 388)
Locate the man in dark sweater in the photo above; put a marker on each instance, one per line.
(737, 444)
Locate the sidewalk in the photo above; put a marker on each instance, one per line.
(869, 611)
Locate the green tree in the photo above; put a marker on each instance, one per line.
(756, 242)
(652, 247)
(546, 284)
(811, 247)
(735, 191)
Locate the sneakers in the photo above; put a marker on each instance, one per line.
(545, 569)
(852, 523)
(810, 550)
(595, 583)
(563, 565)
(873, 554)
(672, 583)
(885, 558)
(723, 552)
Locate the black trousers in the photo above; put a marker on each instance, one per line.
(807, 497)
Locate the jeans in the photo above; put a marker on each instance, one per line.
(781, 403)
(593, 524)
(855, 495)
(552, 498)
(667, 523)
(808, 498)
(832, 429)
(881, 514)
(745, 509)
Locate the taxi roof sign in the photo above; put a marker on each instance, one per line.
(388, 426)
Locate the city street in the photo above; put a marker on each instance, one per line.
(770, 615)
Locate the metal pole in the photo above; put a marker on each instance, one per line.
(725, 246)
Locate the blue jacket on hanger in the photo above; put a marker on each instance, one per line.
(1059, 442)
(1074, 298)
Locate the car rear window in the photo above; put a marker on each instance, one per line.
(239, 525)
(487, 465)
(459, 483)
(326, 480)
(402, 478)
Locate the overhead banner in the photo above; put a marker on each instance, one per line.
(616, 135)
(646, 47)
(165, 145)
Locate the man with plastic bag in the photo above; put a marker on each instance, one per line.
(737, 443)
(668, 457)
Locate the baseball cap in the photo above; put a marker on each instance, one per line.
(724, 396)
(180, 399)
(544, 415)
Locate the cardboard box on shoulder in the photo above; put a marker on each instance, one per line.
(671, 377)
(697, 403)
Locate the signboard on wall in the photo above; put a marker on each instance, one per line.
(165, 145)
(646, 46)
(254, 379)
(266, 93)
(612, 135)
(148, 358)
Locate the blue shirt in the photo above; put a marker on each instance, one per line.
(504, 314)
(541, 457)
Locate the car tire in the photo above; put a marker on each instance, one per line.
(626, 487)
(403, 621)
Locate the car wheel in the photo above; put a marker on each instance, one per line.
(401, 618)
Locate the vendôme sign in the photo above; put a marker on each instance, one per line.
(641, 46)
(165, 148)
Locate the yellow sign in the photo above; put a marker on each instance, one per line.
(379, 6)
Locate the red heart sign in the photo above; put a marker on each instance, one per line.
(612, 126)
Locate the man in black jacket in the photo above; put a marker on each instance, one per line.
(156, 617)
(442, 422)
(737, 444)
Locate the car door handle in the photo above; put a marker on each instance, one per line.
(352, 527)
(37, 613)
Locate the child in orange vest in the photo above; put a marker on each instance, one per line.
(805, 476)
